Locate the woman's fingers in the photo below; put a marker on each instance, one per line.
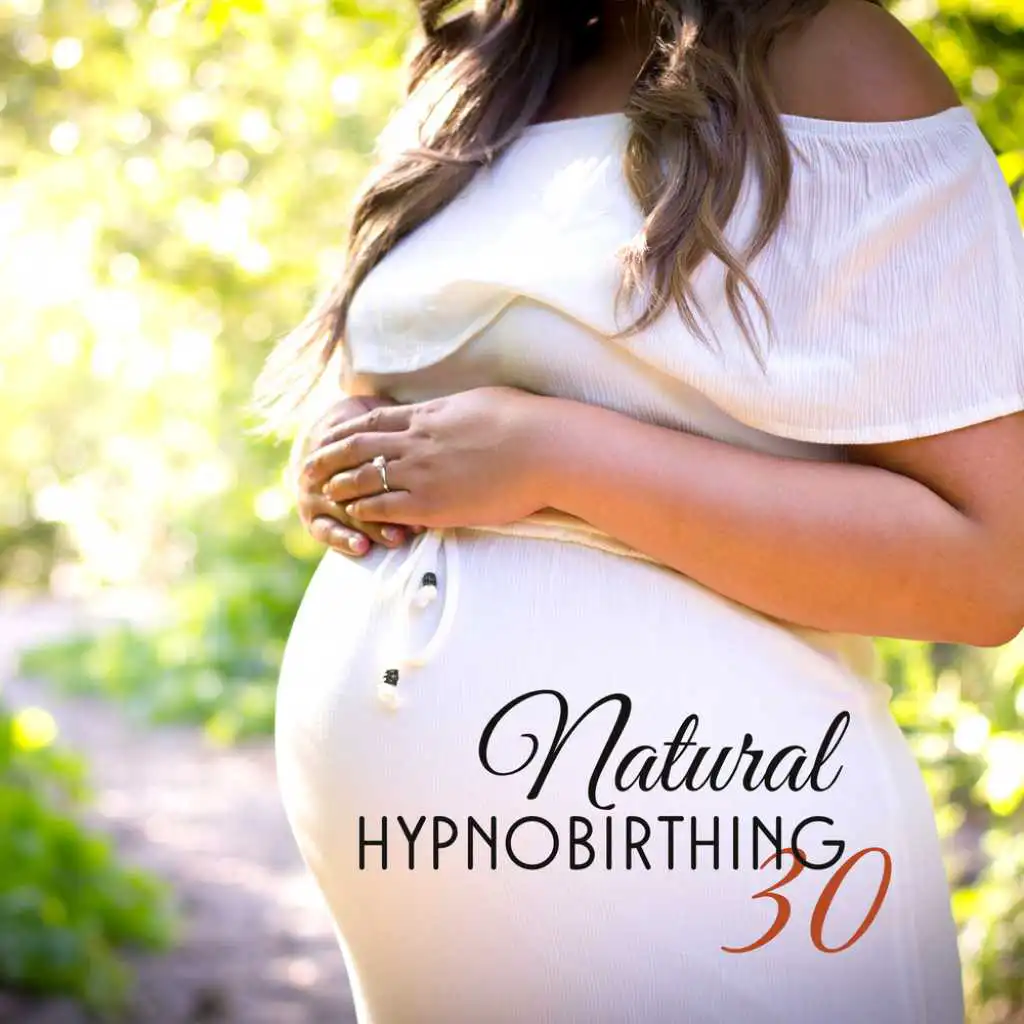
(362, 481)
(350, 436)
(351, 483)
(388, 534)
(332, 534)
(381, 418)
(389, 507)
(350, 453)
(346, 410)
(329, 525)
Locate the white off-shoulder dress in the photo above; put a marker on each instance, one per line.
(490, 740)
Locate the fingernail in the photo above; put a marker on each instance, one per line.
(358, 544)
(389, 533)
(350, 510)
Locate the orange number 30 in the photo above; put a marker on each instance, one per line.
(784, 910)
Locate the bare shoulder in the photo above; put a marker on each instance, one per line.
(854, 61)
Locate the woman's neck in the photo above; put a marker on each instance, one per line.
(626, 28)
(601, 83)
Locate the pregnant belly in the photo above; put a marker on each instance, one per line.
(491, 754)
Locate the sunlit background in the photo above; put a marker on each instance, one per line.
(174, 185)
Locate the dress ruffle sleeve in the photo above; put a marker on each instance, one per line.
(895, 282)
(897, 287)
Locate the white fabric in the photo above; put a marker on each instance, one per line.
(896, 283)
(896, 291)
(557, 945)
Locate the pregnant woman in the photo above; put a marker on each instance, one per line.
(680, 350)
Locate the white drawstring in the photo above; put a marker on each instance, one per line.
(418, 585)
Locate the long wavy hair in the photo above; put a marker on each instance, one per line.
(701, 113)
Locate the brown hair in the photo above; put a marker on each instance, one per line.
(701, 113)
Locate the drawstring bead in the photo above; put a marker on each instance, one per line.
(427, 590)
(387, 688)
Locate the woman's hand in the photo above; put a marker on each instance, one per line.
(325, 520)
(462, 460)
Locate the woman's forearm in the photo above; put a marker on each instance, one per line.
(834, 546)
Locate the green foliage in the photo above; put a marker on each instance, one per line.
(174, 184)
(961, 710)
(67, 908)
(217, 664)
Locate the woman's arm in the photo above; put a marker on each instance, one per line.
(922, 539)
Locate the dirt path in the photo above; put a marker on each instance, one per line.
(257, 947)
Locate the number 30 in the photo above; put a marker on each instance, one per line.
(824, 904)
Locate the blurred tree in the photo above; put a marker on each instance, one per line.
(175, 184)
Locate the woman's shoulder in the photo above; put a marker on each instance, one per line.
(871, 115)
(896, 280)
(856, 62)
